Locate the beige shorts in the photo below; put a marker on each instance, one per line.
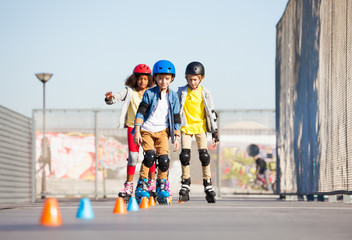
(159, 140)
(201, 139)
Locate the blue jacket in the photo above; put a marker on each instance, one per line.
(149, 103)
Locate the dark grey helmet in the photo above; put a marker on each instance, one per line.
(195, 68)
(253, 150)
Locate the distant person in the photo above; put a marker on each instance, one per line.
(261, 168)
(197, 118)
(45, 155)
(136, 84)
(158, 117)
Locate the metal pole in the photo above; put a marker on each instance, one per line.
(218, 180)
(96, 153)
(44, 147)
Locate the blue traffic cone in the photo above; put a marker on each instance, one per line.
(85, 210)
(132, 205)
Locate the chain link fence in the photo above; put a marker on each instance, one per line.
(314, 97)
(80, 164)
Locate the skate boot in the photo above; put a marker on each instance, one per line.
(167, 187)
(209, 191)
(161, 193)
(152, 187)
(127, 191)
(142, 189)
(185, 189)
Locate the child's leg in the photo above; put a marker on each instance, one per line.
(185, 155)
(152, 181)
(132, 156)
(148, 161)
(204, 156)
(152, 171)
(149, 153)
(162, 149)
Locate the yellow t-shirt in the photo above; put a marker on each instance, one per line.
(132, 108)
(195, 112)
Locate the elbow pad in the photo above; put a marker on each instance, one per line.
(143, 107)
(177, 118)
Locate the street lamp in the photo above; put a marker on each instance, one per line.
(44, 77)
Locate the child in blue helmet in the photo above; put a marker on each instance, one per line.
(197, 118)
(157, 119)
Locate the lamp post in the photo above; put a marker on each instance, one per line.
(44, 77)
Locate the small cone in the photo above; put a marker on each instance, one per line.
(144, 203)
(132, 204)
(152, 201)
(120, 207)
(85, 210)
(51, 215)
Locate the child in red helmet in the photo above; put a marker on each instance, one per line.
(136, 84)
(197, 118)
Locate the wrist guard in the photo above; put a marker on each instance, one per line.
(215, 135)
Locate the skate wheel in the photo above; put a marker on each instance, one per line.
(183, 198)
(126, 199)
(210, 199)
(162, 201)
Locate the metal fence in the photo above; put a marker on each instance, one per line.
(314, 97)
(81, 164)
(15, 157)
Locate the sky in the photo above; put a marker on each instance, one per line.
(91, 47)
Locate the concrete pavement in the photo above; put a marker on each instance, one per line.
(230, 218)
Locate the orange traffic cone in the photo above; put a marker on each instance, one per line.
(51, 215)
(144, 203)
(120, 207)
(152, 201)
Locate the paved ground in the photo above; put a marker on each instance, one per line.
(229, 218)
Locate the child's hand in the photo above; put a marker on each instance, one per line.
(108, 96)
(176, 145)
(137, 139)
(215, 137)
(215, 143)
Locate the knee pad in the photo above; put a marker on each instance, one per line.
(133, 158)
(164, 163)
(185, 156)
(149, 158)
(204, 157)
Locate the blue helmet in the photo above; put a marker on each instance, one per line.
(164, 66)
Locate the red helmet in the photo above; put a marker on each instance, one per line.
(142, 69)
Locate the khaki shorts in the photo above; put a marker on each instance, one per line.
(201, 139)
(186, 143)
(158, 140)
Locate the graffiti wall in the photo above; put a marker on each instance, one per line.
(72, 155)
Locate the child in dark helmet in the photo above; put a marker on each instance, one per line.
(197, 118)
(261, 169)
(140, 80)
(157, 118)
